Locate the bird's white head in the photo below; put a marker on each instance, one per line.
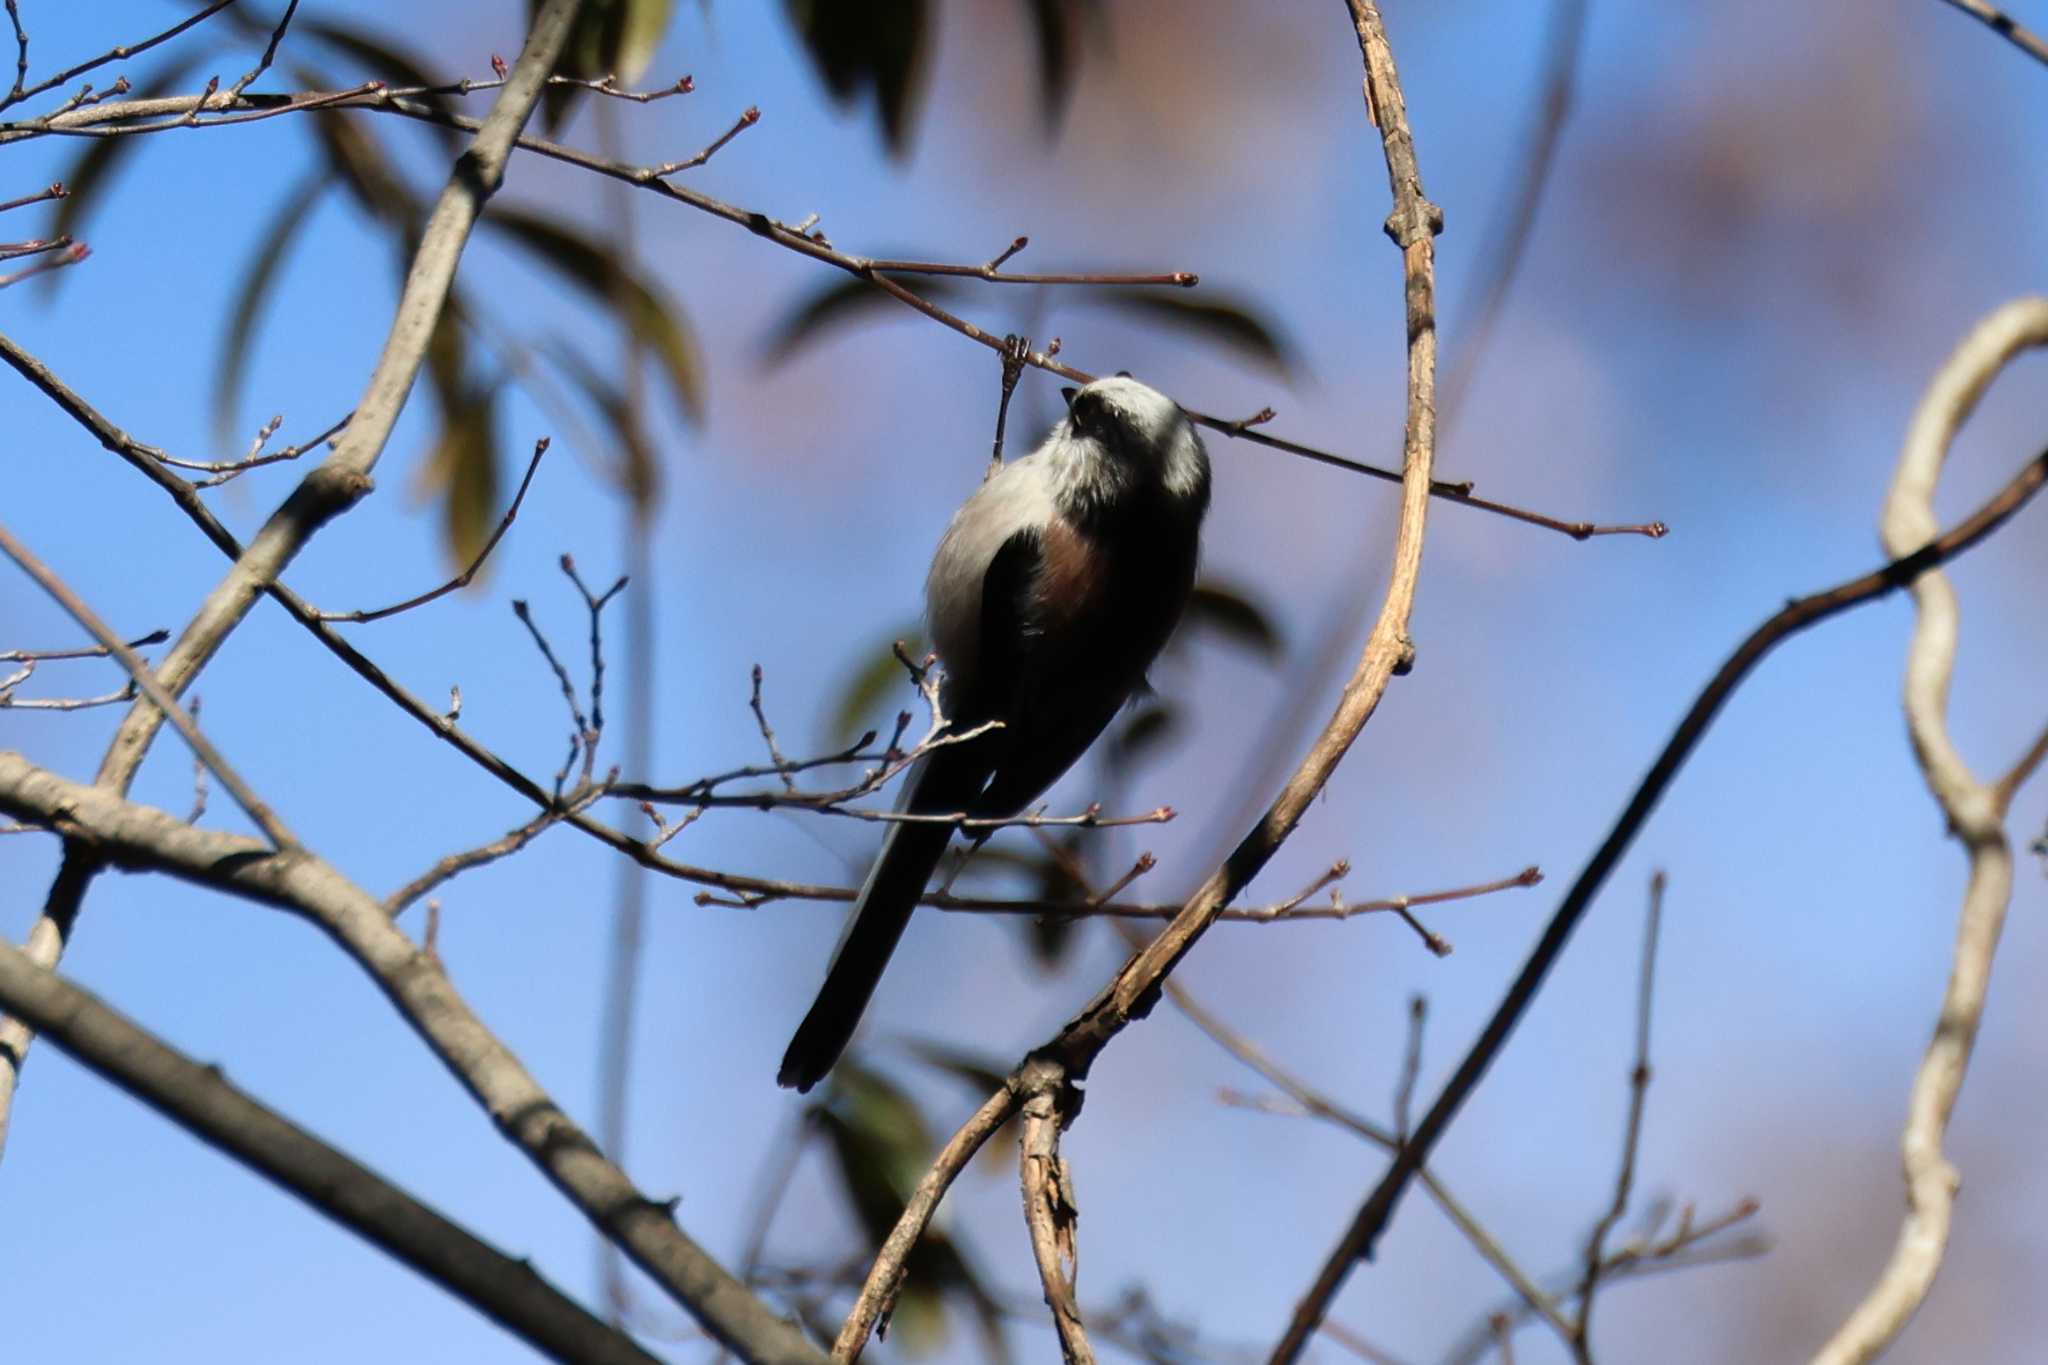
(1122, 438)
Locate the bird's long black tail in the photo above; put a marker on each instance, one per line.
(943, 782)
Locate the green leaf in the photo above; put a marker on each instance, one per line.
(653, 317)
(880, 676)
(838, 304)
(883, 44)
(1231, 613)
(233, 367)
(1232, 323)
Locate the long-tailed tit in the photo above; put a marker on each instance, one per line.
(1054, 587)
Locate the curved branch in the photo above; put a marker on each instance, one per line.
(1976, 815)
(1357, 1242)
(1130, 995)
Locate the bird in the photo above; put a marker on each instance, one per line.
(1055, 585)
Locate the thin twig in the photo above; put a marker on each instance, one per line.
(12, 656)
(502, 847)
(1411, 1065)
(269, 52)
(245, 796)
(2003, 24)
(373, 96)
(55, 191)
(746, 120)
(468, 575)
(119, 53)
(782, 766)
(1632, 1133)
(70, 255)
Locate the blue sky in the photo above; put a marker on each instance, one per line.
(1765, 230)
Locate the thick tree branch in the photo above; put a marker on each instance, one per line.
(197, 1098)
(336, 484)
(137, 837)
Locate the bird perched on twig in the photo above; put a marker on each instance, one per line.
(1055, 586)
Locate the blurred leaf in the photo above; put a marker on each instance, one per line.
(641, 306)
(984, 1074)
(835, 305)
(1052, 935)
(881, 44)
(639, 472)
(639, 35)
(882, 1146)
(87, 176)
(358, 160)
(879, 677)
(1059, 54)
(1148, 727)
(462, 469)
(611, 38)
(1233, 615)
(880, 1138)
(392, 65)
(233, 367)
(1232, 323)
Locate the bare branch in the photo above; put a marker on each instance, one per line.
(2003, 24)
(55, 191)
(199, 1099)
(1131, 994)
(70, 255)
(1049, 1102)
(244, 795)
(119, 53)
(269, 52)
(1632, 1134)
(412, 979)
(503, 847)
(746, 120)
(468, 575)
(1799, 615)
(885, 1277)
(12, 656)
(1975, 815)
(795, 237)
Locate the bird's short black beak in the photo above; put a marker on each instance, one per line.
(1068, 394)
